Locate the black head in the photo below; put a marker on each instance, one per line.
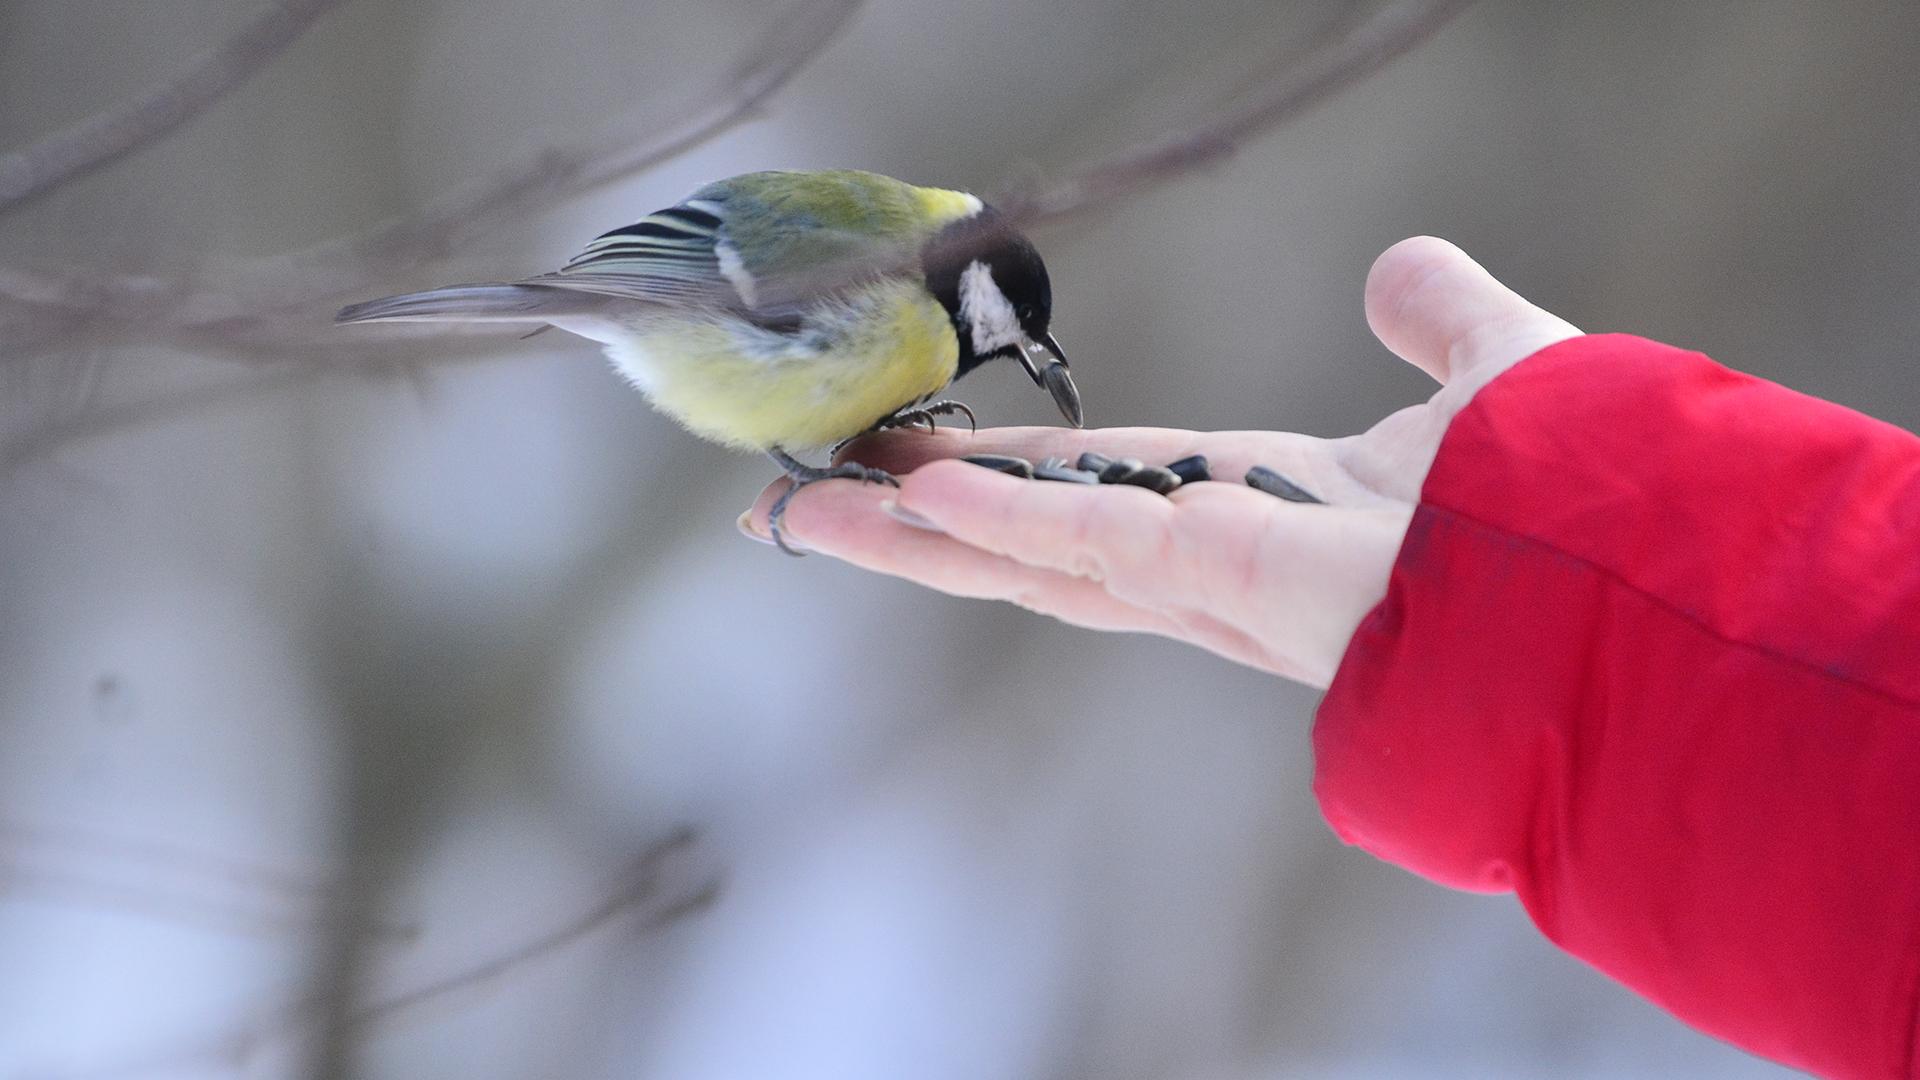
(994, 286)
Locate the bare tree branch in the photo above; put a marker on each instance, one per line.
(18, 838)
(644, 892)
(551, 175)
(1364, 48)
(74, 865)
(312, 277)
(248, 916)
(300, 362)
(119, 130)
(643, 885)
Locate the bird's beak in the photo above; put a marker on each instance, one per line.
(1053, 375)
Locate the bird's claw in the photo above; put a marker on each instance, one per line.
(910, 417)
(803, 475)
(926, 413)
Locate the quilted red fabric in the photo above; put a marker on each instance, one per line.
(1650, 658)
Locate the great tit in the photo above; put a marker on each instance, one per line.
(710, 308)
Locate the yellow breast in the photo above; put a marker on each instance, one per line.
(862, 359)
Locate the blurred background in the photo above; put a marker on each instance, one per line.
(353, 694)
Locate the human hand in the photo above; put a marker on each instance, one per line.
(1274, 584)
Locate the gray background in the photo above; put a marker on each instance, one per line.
(459, 648)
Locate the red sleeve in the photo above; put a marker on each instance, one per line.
(1650, 658)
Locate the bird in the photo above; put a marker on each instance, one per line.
(786, 311)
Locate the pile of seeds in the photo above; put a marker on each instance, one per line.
(1094, 468)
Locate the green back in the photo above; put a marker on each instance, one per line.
(787, 230)
(787, 222)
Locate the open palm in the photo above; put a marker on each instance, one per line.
(1274, 584)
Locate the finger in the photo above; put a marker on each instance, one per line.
(1441, 311)
(1196, 549)
(1295, 578)
(848, 522)
(1206, 566)
(1079, 530)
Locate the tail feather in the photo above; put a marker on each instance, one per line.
(471, 303)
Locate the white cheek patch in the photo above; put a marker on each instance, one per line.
(987, 311)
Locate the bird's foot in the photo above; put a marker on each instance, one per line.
(925, 415)
(909, 417)
(801, 474)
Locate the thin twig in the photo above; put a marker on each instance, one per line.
(1363, 48)
(18, 838)
(540, 178)
(121, 129)
(227, 915)
(644, 885)
(551, 175)
(642, 892)
(302, 363)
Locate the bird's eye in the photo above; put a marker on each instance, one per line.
(1025, 312)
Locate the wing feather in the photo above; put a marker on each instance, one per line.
(668, 257)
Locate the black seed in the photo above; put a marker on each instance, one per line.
(1094, 463)
(1264, 479)
(1049, 463)
(1153, 478)
(1118, 471)
(1191, 470)
(1002, 463)
(1046, 470)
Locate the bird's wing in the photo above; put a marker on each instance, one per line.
(761, 245)
(800, 235)
(677, 257)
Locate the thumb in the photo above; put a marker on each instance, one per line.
(1441, 311)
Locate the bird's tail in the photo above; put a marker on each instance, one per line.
(473, 303)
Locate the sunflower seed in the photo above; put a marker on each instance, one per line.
(1153, 478)
(1191, 470)
(1061, 473)
(1002, 463)
(1264, 479)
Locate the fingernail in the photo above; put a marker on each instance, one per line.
(905, 516)
(745, 525)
